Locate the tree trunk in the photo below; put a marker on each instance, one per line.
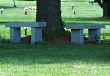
(95, 1)
(14, 3)
(106, 8)
(49, 11)
(105, 5)
(100, 3)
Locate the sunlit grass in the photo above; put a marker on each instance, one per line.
(16, 14)
(54, 60)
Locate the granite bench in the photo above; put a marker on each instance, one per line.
(36, 31)
(77, 35)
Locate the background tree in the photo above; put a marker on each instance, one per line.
(105, 5)
(49, 11)
(14, 3)
(95, 1)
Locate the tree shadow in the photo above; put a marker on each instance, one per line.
(27, 54)
(9, 7)
(87, 20)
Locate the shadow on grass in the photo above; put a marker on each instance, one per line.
(3, 22)
(52, 54)
(105, 34)
(9, 7)
(87, 20)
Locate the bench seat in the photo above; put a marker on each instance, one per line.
(36, 31)
(77, 35)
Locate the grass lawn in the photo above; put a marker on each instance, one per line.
(53, 60)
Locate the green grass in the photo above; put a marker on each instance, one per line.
(53, 60)
(84, 13)
(12, 14)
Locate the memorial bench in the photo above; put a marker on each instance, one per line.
(36, 31)
(77, 35)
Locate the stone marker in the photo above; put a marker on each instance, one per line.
(77, 35)
(1, 11)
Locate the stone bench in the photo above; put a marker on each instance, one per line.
(77, 35)
(36, 31)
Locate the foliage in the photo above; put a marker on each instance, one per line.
(63, 23)
(105, 41)
(97, 39)
(52, 34)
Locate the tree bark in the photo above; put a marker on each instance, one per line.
(95, 1)
(14, 3)
(106, 8)
(49, 11)
(100, 3)
(105, 5)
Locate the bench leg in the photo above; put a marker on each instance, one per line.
(15, 35)
(77, 36)
(36, 35)
(92, 34)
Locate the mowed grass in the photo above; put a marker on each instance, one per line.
(84, 13)
(12, 14)
(53, 60)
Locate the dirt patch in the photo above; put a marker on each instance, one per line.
(64, 39)
(1, 47)
(58, 39)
